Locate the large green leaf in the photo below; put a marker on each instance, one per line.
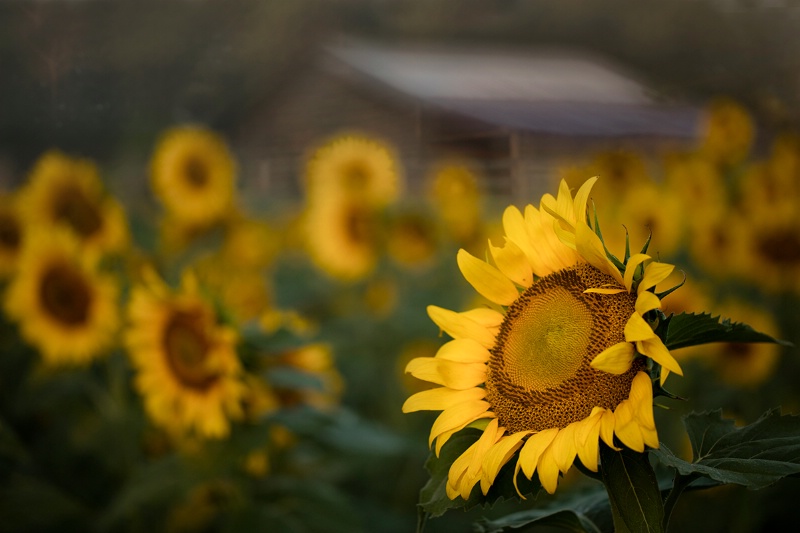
(632, 489)
(754, 456)
(580, 511)
(690, 329)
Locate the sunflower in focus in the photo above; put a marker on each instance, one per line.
(186, 364)
(564, 365)
(193, 174)
(11, 235)
(64, 305)
(357, 166)
(64, 191)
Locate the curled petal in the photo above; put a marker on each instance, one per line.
(647, 301)
(486, 279)
(458, 416)
(630, 268)
(460, 327)
(654, 274)
(616, 359)
(463, 351)
(511, 261)
(441, 398)
(498, 456)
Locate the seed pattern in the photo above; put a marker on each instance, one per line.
(555, 308)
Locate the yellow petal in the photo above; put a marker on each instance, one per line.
(512, 262)
(641, 398)
(460, 376)
(548, 471)
(647, 301)
(533, 449)
(488, 318)
(486, 279)
(582, 197)
(630, 268)
(457, 475)
(607, 424)
(655, 350)
(563, 447)
(664, 375)
(566, 206)
(655, 273)
(615, 359)
(591, 248)
(488, 438)
(498, 456)
(515, 228)
(587, 440)
(459, 326)
(441, 398)
(553, 255)
(458, 416)
(627, 428)
(637, 329)
(601, 290)
(463, 351)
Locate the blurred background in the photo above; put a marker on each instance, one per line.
(450, 110)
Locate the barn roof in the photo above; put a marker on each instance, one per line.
(544, 91)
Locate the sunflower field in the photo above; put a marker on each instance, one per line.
(184, 364)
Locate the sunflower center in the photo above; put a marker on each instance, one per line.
(9, 232)
(781, 246)
(196, 172)
(187, 349)
(358, 224)
(77, 211)
(65, 295)
(355, 176)
(539, 374)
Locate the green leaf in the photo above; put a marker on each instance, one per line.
(433, 498)
(754, 456)
(584, 511)
(690, 329)
(632, 489)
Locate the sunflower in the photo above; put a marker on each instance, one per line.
(186, 364)
(412, 239)
(64, 191)
(11, 234)
(64, 305)
(457, 198)
(564, 366)
(342, 236)
(728, 132)
(193, 174)
(354, 165)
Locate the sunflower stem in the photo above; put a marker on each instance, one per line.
(679, 483)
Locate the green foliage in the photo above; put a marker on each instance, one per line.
(755, 456)
(691, 329)
(632, 490)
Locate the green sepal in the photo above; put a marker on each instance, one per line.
(691, 329)
(614, 259)
(755, 456)
(647, 243)
(669, 291)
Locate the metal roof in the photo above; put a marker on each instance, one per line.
(546, 91)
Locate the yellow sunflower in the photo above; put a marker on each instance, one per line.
(355, 165)
(193, 174)
(458, 200)
(342, 236)
(557, 370)
(728, 132)
(11, 234)
(64, 191)
(64, 305)
(412, 239)
(186, 364)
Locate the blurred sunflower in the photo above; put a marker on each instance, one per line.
(412, 239)
(745, 364)
(64, 305)
(457, 198)
(700, 186)
(646, 208)
(63, 191)
(11, 234)
(558, 370)
(193, 174)
(354, 165)
(342, 236)
(186, 364)
(728, 132)
(317, 361)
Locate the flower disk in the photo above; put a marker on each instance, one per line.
(539, 374)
